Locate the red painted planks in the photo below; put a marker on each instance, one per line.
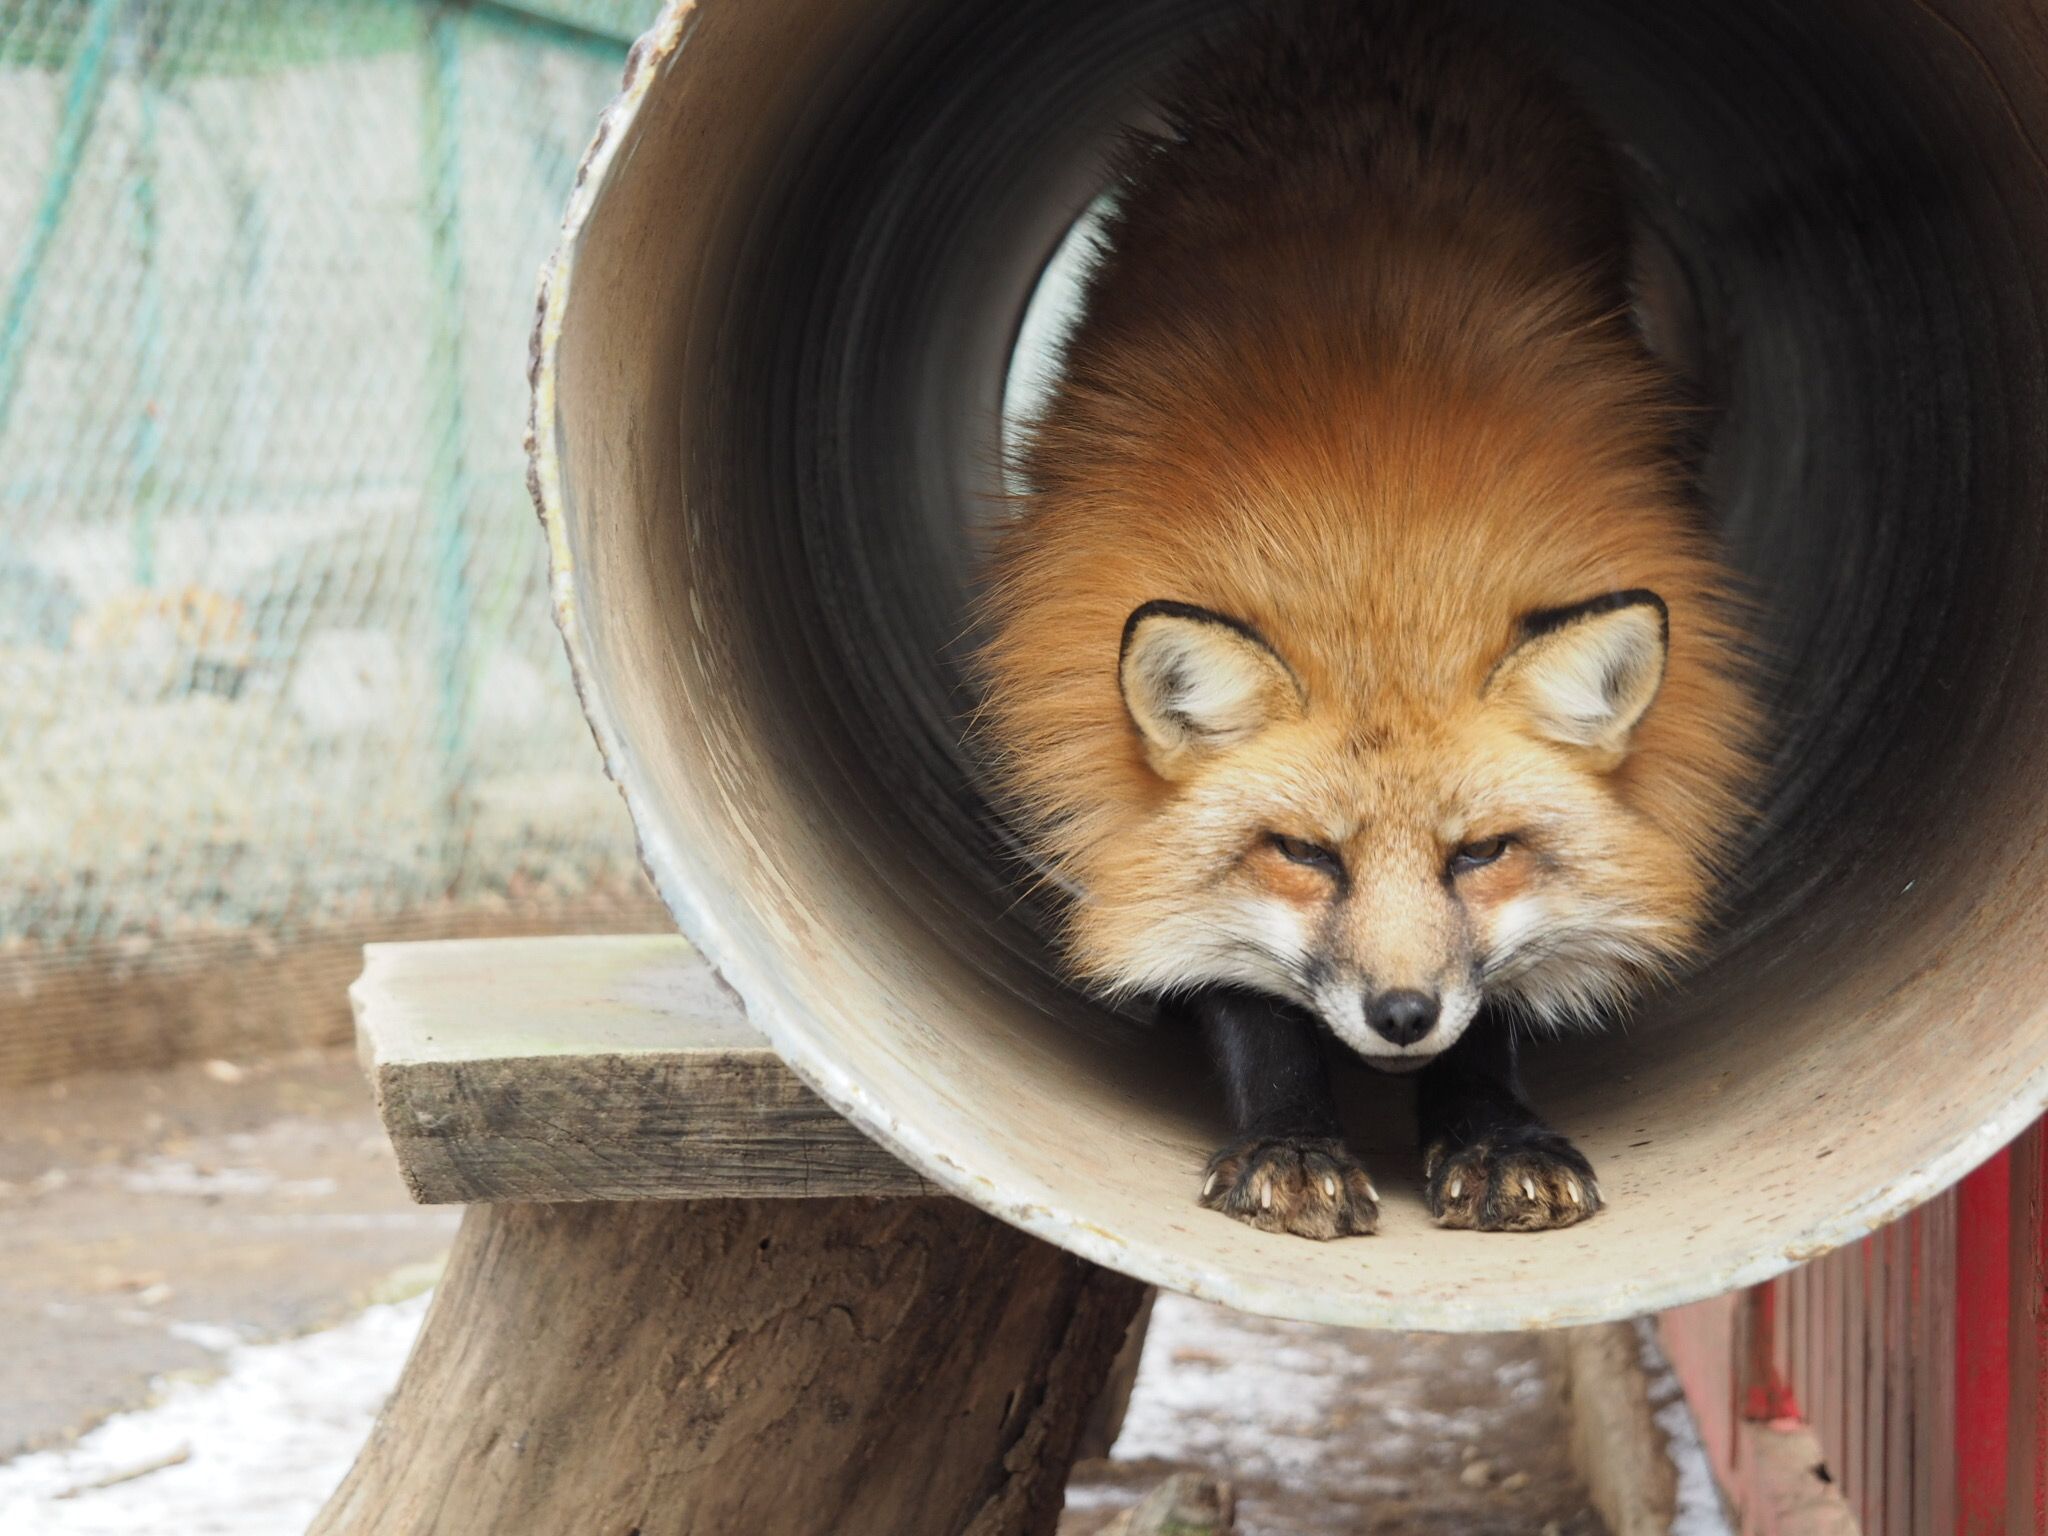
(1983, 1305)
(2027, 1482)
(1918, 1358)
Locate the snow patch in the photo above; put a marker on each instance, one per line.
(254, 1453)
(208, 1336)
(1199, 1368)
(1700, 1511)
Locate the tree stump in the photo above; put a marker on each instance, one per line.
(894, 1364)
(743, 1368)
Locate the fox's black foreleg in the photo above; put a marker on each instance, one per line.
(1286, 1168)
(1488, 1161)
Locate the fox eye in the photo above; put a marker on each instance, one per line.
(1480, 854)
(1315, 855)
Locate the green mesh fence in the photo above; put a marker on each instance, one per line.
(274, 640)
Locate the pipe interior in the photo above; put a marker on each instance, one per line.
(781, 380)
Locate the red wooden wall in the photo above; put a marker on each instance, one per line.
(1917, 1358)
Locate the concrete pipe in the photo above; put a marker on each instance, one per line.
(770, 371)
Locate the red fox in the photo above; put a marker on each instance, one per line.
(1358, 655)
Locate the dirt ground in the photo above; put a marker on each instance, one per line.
(1335, 1432)
(157, 1225)
(153, 1221)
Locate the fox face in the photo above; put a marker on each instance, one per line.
(1388, 868)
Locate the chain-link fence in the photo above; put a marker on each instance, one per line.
(275, 656)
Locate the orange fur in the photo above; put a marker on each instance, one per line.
(1356, 370)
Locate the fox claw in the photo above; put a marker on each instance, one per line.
(1525, 1180)
(1311, 1186)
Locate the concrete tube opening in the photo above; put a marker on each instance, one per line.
(770, 373)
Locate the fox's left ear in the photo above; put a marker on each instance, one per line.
(1584, 675)
(1196, 682)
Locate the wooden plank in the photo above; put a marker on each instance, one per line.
(569, 1069)
(1941, 1399)
(1785, 1340)
(1616, 1443)
(1867, 1367)
(1798, 1296)
(1983, 1299)
(1701, 1342)
(1765, 1384)
(1820, 1322)
(1928, 1365)
(1896, 1511)
(2028, 1496)
(1834, 1430)
(1877, 1388)
(1853, 1266)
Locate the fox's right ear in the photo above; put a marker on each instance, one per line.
(1196, 682)
(1583, 676)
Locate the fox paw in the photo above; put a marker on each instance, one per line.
(1514, 1181)
(1311, 1186)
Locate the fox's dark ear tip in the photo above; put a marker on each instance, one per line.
(1169, 608)
(1546, 620)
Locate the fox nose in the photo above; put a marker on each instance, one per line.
(1404, 1016)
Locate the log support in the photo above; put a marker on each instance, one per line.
(830, 1367)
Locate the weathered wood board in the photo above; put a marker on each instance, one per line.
(605, 1068)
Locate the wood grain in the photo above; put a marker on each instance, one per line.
(592, 1069)
(741, 1368)
(1616, 1444)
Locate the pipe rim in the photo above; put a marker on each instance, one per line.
(784, 1021)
